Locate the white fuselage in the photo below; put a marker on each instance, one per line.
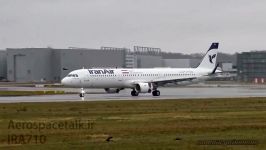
(141, 80)
(126, 78)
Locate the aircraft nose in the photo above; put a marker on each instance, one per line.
(65, 81)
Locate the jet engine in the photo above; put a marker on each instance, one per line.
(111, 90)
(143, 87)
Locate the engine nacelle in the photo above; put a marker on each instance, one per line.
(111, 90)
(143, 87)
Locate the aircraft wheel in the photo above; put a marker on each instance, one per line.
(156, 93)
(134, 93)
(82, 93)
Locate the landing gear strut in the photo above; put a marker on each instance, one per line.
(82, 93)
(134, 93)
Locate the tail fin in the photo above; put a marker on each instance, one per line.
(209, 60)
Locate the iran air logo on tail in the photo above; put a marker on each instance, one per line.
(211, 57)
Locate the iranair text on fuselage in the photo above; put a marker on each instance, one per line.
(101, 71)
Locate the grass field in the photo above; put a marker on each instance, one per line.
(29, 93)
(141, 125)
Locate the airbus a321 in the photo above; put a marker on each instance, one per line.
(144, 80)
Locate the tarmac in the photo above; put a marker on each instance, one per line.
(186, 92)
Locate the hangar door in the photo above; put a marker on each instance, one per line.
(20, 68)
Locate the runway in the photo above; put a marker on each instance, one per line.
(166, 93)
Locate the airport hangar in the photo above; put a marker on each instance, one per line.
(3, 65)
(51, 65)
(251, 67)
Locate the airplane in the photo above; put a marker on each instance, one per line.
(144, 80)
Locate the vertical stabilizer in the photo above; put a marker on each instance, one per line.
(209, 60)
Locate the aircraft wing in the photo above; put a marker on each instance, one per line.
(164, 81)
(161, 82)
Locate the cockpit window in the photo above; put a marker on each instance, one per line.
(72, 75)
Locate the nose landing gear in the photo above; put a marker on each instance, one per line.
(82, 93)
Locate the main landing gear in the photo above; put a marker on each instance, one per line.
(154, 93)
(134, 92)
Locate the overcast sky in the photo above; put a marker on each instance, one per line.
(186, 26)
